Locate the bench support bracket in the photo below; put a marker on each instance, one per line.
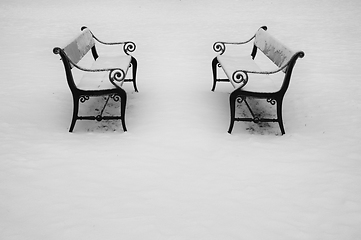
(234, 97)
(121, 96)
(215, 65)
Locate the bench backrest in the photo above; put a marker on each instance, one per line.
(74, 52)
(272, 48)
(77, 49)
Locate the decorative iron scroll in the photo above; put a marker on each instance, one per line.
(84, 98)
(240, 99)
(219, 47)
(271, 101)
(116, 75)
(240, 77)
(115, 97)
(56, 50)
(129, 47)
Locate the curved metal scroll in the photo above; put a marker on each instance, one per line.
(84, 98)
(240, 99)
(115, 97)
(116, 75)
(272, 101)
(129, 47)
(240, 77)
(219, 47)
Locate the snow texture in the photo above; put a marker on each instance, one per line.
(177, 174)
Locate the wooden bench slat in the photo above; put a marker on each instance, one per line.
(272, 48)
(77, 49)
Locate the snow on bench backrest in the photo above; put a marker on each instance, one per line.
(272, 48)
(80, 46)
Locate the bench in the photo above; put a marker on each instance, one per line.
(250, 80)
(105, 77)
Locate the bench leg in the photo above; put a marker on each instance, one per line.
(75, 112)
(123, 104)
(134, 72)
(279, 116)
(214, 71)
(232, 105)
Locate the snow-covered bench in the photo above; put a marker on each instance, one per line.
(104, 78)
(250, 80)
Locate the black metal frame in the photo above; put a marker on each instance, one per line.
(115, 75)
(241, 76)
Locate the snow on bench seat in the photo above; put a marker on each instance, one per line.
(256, 82)
(100, 80)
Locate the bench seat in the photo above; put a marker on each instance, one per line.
(100, 80)
(256, 82)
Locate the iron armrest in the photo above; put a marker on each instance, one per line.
(128, 47)
(220, 46)
(241, 75)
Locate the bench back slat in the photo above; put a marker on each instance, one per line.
(80, 46)
(272, 48)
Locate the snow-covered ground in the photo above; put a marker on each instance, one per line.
(177, 173)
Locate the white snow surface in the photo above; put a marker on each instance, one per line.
(177, 174)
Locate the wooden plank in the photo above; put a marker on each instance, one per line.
(272, 48)
(79, 46)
